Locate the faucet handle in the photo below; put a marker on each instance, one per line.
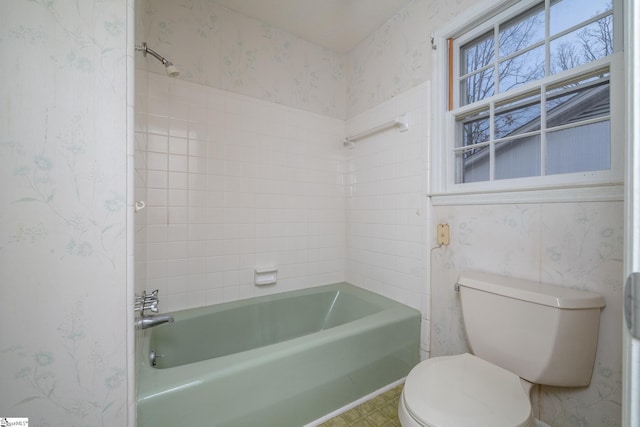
(150, 297)
(152, 305)
(146, 302)
(142, 297)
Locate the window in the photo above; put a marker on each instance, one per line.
(530, 97)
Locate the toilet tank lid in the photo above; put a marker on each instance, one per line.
(528, 290)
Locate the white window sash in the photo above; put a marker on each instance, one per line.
(443, 121)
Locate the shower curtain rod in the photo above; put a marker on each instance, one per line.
(401, 122)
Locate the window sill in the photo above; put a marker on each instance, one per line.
(610, 192)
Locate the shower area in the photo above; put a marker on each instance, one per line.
(241, 165)
(229, 182)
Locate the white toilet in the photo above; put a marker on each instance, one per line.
(521, 333)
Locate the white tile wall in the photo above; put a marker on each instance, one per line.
(387, 213)
(232, 183)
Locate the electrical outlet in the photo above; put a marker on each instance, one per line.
(443, 234)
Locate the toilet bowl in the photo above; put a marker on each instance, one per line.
(464, 391)
(521, 333)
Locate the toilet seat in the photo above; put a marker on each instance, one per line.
(463, 391)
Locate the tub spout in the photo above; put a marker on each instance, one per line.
(151, 321)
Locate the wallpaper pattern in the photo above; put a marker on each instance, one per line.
(397, 57)
(217, 47)
(63, 220)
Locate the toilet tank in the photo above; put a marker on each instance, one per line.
(543, 333)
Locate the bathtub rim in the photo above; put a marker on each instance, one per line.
(153, 382)
(372, 297)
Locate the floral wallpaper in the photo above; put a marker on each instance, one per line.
(63, 222)
(397, 56)
(577, 245)
(217, 47)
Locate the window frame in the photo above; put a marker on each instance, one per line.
(472, 24)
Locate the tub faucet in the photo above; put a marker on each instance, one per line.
(149, 302)
(151, 321)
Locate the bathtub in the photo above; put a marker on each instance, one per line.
(280, 360)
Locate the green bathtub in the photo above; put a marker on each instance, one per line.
(280, 360)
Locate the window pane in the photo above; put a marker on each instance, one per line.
(477, 54)
(584, 45)
(522, 32)
(521, 69)
(580, 149)
(574, 102)
(475, 128)
(518, 158)
(477, 87)
(517, 117)
(512, 133)
(474, 165)
(564, 14)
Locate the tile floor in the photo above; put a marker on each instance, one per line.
(381, 411)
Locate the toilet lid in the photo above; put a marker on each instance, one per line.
(463, 391)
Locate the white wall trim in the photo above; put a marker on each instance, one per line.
(602, 193)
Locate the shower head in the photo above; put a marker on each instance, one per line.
(171, 69)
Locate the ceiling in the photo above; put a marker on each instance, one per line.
(336, 24)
